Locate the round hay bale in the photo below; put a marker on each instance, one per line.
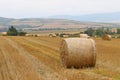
(116, 37)
(28, 35)
(66, 36)
(38, 35)
(4, 33)
(52, 35)
(84, 36)
(106, 37)
(78, 52)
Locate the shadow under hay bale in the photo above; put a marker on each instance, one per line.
(106, 37)
(78, 52)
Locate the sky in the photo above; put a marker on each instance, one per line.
(46, 8)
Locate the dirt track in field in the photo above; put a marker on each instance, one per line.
(34, 58)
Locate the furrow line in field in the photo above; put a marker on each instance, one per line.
(43, 50)
(6, 65)
(39, 67)
(19, 67)
(44, 42)
(46, 46)
(49, 61)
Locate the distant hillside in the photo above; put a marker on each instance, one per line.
(5, 21)
(104, 17)
(38, 23)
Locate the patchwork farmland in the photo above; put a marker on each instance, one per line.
(38, 58)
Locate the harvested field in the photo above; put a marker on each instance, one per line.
(38, 58)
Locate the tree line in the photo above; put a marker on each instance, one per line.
(14, 32)
(100, 31)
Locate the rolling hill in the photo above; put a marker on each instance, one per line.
(54, 23)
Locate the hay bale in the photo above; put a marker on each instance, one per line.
(65, 36)
(78, 52)
(116, 37)
(28, 35)
(4, 33)
(52, 35)
(106, 37)
(84, 36)
(95, 36)
(38, 35)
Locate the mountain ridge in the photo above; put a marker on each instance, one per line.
(101, 17)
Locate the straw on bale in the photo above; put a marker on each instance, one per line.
(106, 37)
(84, 36)
(78, 52)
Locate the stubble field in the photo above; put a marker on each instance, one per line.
(38, 58)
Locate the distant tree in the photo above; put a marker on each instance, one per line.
(107, 31)
(118, 31)
(100, 32)
(89, 31)
(61, 35)
(57, 34)
(22, 33)
(12, 31)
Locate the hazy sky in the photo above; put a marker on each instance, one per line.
(45, 8)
